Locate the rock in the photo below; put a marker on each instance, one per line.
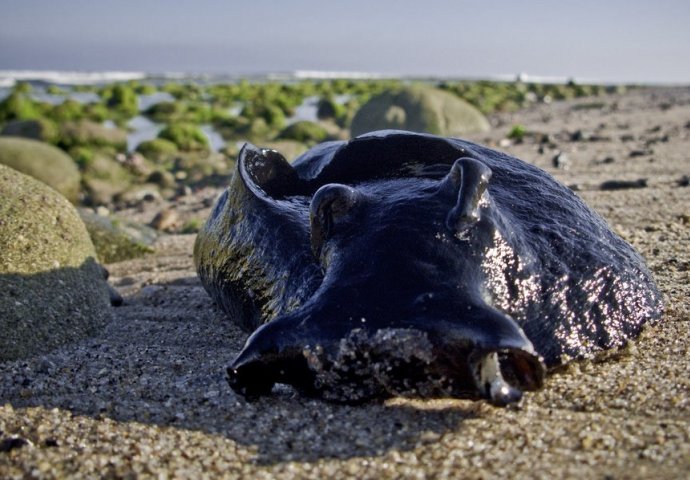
(623, 184)
(87, 133)
(135, 163)
(586, 136)
(641, 153)
(328, 108)
(201, 164)
(186, 137)
(52, 291)
(305, 132)
(166, 220)
(420, 109)
(13, 443)
(158, 149)
(40, 129)
(136, 195)
(117, 239)
(163, 178)
(104, 178)
(561, 161)
(43, 162)
(334, 130)
(607, 160)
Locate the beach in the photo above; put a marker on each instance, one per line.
(147, 397)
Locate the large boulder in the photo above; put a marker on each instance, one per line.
(43, 162)
(52, 291)
(420, 109)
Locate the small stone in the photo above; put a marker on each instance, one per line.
(579, 136)
(50, 442)
(12, 443)
(166, 220)
(183, 191)
(45, 366)
(102, 211)
(623, 184)
(640, 153)
(561, 161)
(116, 299)
(587, 442)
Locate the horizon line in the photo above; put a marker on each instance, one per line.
(9, 77)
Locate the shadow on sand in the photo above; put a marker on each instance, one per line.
(161, 361)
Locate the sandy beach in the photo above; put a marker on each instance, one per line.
(147, 397)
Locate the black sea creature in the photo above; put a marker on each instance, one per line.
(408, 264)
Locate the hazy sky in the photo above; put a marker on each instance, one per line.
(608, 40)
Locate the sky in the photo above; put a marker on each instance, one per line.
(607, 40)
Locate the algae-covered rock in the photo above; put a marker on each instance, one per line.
(186, 136)
(419, 109)
(158, 149)
(328, 108)
(52, 291)
(103, 178)
(116, 239)
(18, 106)
(43, 162)
(38, 129)
(304, 131)
(197, 165)
(122, 99)
(92, 134)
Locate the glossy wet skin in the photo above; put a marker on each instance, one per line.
(437, 271)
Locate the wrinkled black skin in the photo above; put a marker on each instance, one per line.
(476, 249)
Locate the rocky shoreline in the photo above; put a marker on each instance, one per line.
(147, 397)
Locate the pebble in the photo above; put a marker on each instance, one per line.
(640, 153)
(623, 184)
(166, 220)
(561, 161)
(13, 443)
(102, 211)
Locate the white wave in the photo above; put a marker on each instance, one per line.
(324, 74)
(547, 79)
(10, 77)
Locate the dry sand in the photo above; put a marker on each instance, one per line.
(147, 397)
